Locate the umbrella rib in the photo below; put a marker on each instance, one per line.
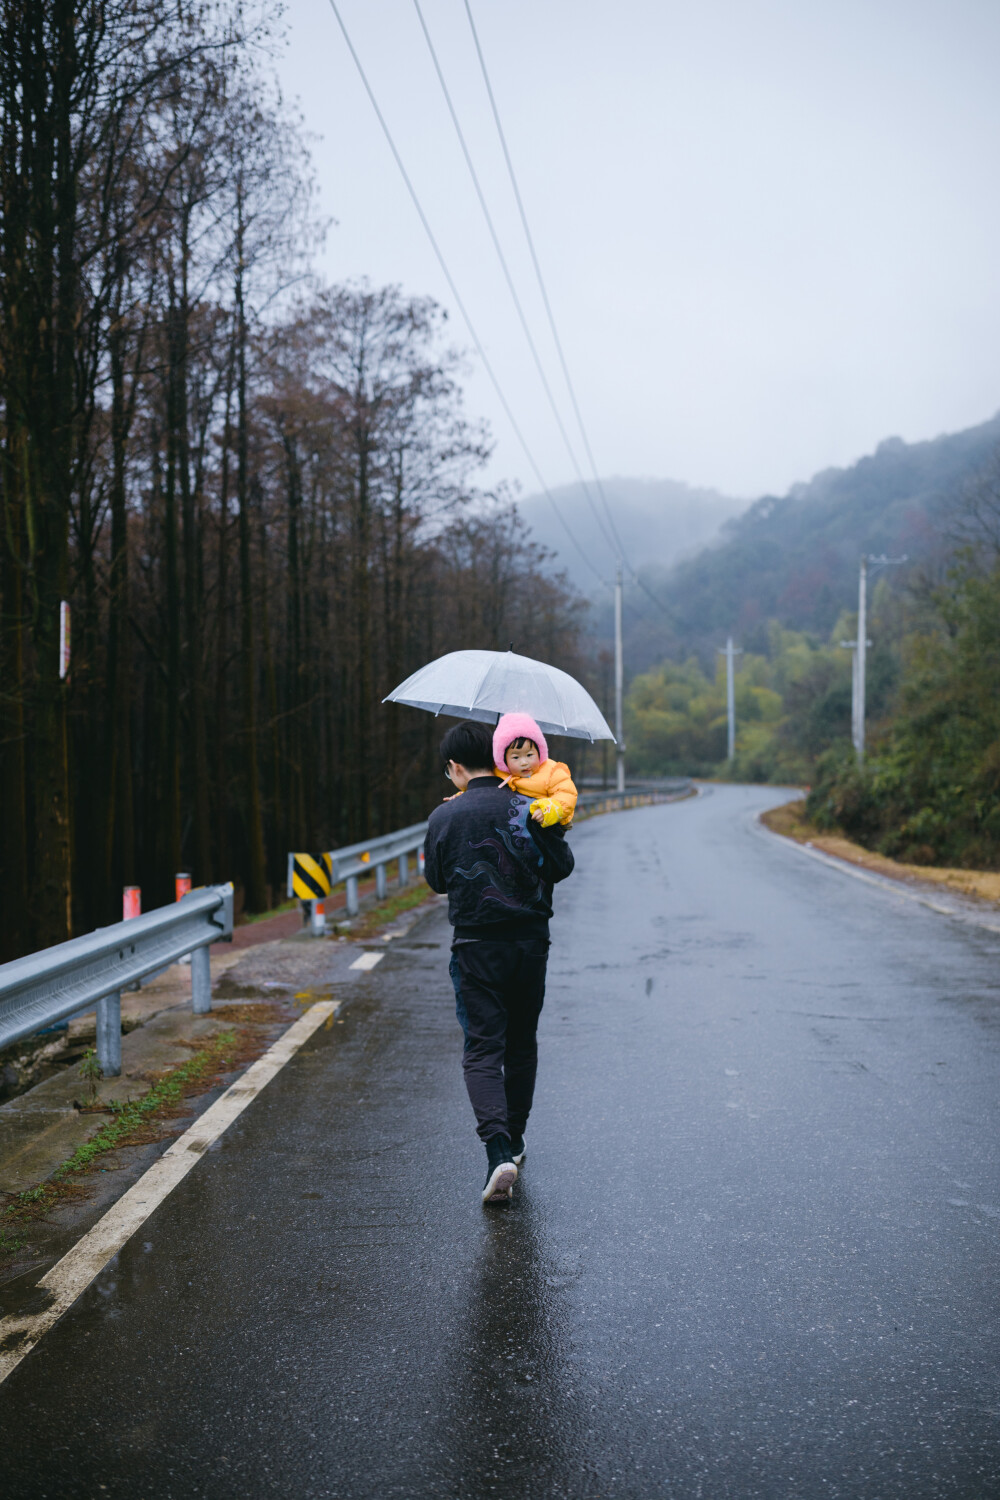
(486, 672)
(561, 701)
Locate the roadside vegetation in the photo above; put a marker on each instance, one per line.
(371, 923)
(133, 1122)
(793, 701)
(928, 792)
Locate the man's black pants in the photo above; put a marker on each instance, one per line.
(499, 989)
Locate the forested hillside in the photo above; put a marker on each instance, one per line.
(257, 494)
(794, 559)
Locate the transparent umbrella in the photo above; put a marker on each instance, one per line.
(482, 685)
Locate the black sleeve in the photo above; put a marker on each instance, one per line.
(557, 856)
(433, 866)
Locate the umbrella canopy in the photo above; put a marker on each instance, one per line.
(482, 685)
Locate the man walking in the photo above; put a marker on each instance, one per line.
(498, 866)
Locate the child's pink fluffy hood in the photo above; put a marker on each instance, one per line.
(516, 727)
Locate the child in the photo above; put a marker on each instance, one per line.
(521, 759)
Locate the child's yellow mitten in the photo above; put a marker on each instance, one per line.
(550, 810)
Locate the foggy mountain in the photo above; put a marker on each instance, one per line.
(659, 520)
(794, 558)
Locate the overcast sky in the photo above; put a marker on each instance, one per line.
(770, 228)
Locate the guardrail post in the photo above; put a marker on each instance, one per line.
(109, 1034)
(351, 884)
(132, 907)
(404, 869)
(201, 981)
(182, 885)
(380, 883)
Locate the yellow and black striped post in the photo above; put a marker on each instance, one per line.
(310, 876)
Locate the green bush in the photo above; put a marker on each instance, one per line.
(790, 705)
(929, 792)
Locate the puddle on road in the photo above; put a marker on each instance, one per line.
(306, 998)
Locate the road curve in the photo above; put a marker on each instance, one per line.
(753, 1252)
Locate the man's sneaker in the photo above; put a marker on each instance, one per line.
(501, 1173)
(518, 1150)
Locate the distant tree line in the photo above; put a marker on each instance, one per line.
(256, 493)
(793, 702)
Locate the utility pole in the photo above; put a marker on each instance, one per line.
(857, 698)
(859, 665)
(730, 653)
(619, 680)
(861, 660)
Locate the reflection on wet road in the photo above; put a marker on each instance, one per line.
(752, 1254)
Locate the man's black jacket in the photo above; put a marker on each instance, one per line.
(496, 863)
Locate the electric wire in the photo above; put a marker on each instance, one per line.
(536, 262)
(456, 294)
(648, 592)
(609, 537)
(548, 305)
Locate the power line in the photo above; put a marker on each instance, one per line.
(455, 292)
(536, 263)
(648, 592)
(609, 538)
(548, 305)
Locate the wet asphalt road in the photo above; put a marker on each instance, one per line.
(753, 1252)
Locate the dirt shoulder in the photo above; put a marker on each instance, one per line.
(789, 820)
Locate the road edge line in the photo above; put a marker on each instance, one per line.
(70, 1276)
(881, 882)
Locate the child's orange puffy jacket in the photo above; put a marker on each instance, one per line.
(551, 782)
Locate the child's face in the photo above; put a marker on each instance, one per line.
(523, 760)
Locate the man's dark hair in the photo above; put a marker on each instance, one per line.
(468, 744)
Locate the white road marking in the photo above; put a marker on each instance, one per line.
(881, 882)
(367, 961)
(88, 1257)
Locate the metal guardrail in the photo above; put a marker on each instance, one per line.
(381, 852)
(591, 803)
(366, 851)
(44, 988)
(354, 861)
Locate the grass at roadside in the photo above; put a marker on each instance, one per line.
(248, 919)
(133, 1122)
(386, 912)
(790, 821)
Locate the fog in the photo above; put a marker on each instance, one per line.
(770, 227)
